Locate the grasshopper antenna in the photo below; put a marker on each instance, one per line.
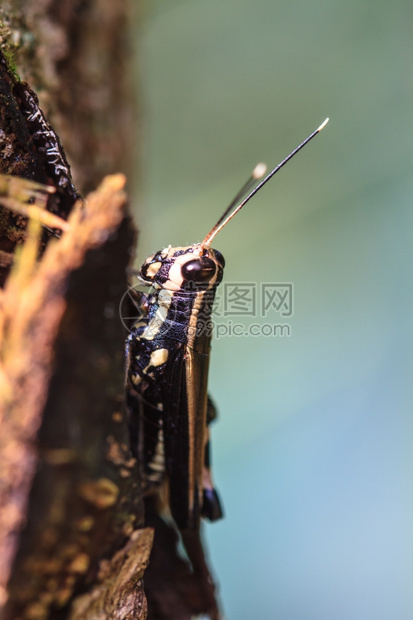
(227, 216)
(257, 173)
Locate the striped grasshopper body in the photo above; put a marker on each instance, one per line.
(167, 380)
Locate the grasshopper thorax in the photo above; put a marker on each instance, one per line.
(184, 268)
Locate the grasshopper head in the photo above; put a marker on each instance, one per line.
(184, 268)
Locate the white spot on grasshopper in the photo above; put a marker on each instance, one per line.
(158, 357)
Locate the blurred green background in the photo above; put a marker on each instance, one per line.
(312, 451)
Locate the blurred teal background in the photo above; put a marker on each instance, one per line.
(312, 451)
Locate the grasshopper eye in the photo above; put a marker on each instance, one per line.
(198, 270)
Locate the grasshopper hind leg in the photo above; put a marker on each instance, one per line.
(211, 504)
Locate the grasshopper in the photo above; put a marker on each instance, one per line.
(167, 369)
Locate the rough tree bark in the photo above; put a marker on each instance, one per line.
(70, 543)
(76, 55)
(73, 542)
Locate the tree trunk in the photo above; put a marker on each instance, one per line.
(70, 546)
